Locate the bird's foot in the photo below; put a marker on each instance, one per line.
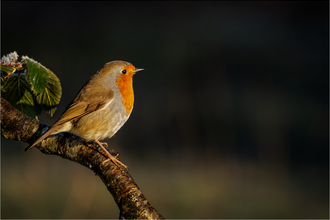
(111, 157)
(104, 144)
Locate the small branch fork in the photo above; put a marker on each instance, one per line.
(129, 198)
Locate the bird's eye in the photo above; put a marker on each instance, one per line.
(123, 71)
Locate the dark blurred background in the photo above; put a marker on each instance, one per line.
(230, 117)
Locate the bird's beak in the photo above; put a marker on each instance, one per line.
(137, 70)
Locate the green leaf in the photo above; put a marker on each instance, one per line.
(6, 69)
(29, 86)
(38, 75)
(4, 78)
(50, 97)
(18, 93)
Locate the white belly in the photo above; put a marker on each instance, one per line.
(101, 124)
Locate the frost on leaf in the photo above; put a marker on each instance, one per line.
(9, 58)
(9, 63)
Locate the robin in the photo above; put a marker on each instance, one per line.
(100, 108)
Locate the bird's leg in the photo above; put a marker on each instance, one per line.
(104, 144)
(113, 158)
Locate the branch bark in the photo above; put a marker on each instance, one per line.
(129, 198)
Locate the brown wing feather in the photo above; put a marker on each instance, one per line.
(80, 107)
(78, 110)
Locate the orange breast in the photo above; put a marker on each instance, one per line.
(125, 84)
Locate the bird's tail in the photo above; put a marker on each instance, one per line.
(46, 134)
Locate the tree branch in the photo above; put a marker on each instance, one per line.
(129, 198)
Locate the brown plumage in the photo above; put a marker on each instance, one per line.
(101, 107)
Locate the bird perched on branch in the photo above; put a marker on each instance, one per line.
(100, 108)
